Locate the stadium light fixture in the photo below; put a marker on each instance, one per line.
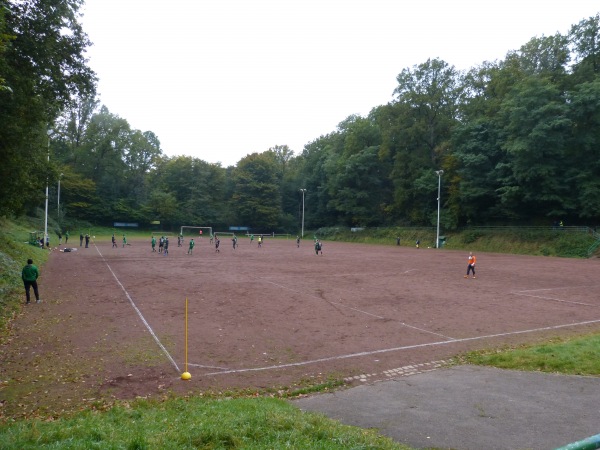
(303, 191)
(439, 174)
(46, 215)
(58, 201)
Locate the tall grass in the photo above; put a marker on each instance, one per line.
(521, 241)
(14, 252)
(194, 423)
(573, 356)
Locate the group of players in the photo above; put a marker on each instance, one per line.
(163, 247)
(163, 243)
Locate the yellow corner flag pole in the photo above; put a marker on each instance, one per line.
(186, 375)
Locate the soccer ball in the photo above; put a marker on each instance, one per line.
(93, 237)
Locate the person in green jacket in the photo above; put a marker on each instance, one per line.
(153, 244)
(30, 275)
(191, 246)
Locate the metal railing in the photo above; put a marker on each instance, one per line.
(591, 443)
(572, 229)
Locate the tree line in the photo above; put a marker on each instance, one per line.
(518, 141)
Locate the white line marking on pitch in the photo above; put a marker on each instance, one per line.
(559, 287)
(355, 309)
(207, 367)
(322, 299)
(395, 349)
(555, 299)
(139, 313)
(523, 293)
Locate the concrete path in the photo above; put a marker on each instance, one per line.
(471, 407)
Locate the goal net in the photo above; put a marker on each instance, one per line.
(187, 231)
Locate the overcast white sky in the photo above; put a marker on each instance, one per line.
(220, 79)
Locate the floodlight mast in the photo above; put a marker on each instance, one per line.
(439, 174)
(303, 191)
(46, 214)
(58, 202)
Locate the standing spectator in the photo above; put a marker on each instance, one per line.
(59, 237)
(260, 239)
(67, 237)
(298, 241)
(153, 244)
(234, 241)
(166, 245)
(178, 241)
(161, 244)
(251, 239)
(471, 266)
(318, 247)
(114, 241)
(124, 241)
(190, 250)
(80, 239)
(87, 240)
(30, 275)
(398, 240)
(217, 243)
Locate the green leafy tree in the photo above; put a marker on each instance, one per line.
(585, 39)
(101, 157)
(42, 66)
(78, 196)
(256, 198)
(536, 131)
(198, 187)
(583, 156)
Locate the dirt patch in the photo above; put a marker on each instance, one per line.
(111, 324)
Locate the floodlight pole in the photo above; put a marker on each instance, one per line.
(58, 202)
(439, 174)
(46, 216)
(303, 191)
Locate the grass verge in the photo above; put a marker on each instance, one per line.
(14, 252)
(261, 423)
(572, 356)
(230, 423)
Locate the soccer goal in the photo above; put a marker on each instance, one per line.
(196, 231)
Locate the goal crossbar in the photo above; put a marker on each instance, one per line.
(185, 227)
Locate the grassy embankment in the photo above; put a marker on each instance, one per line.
(519, 241)
(258, 422)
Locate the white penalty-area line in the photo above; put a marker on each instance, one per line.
(356, 309)
(530, 293)
(396, 349)
(139, 313)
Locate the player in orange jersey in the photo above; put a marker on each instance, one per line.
(471, 266)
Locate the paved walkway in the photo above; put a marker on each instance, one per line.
(470, 407)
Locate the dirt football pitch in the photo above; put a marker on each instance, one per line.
(113, 319)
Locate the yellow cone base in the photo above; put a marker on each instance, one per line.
(186, 376)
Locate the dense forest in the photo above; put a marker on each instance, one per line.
(518, 141)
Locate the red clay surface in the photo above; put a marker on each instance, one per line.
(280, 315)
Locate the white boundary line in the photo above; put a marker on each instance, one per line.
(350, 355)
(555, 299)
(395, 349)
(523, 293)
(355, 309)
(162, 347)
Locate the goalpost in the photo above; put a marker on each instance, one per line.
(200, 230)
